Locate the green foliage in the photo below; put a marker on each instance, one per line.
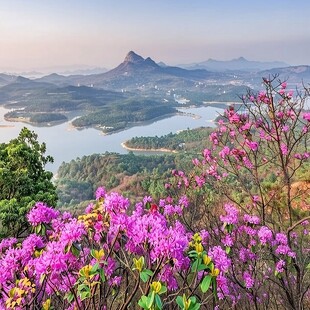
(23, 180)
(187, 304)
(138, 174)
(153, 300)
(37, 118)
(189, 140)
(120, 115)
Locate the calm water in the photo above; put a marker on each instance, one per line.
(65, 143)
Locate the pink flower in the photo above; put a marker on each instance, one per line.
(227, 240)
(224, 152)
(255, 198)
(247, 162)
(115, 203)
(231, 216)
(284, 149)
(200, 180)
(72, 231)
(280, 266)
(195, 162)
(264, 234)
(213, 138)
(7, 243)
(282, 249)
(219, 256)
(251, 219)
(115, 281)
(285, 128)
(167, 185)
(41, 213)
(223, 129)
(290, 94)
(253, 145)
(100, 193)
(281, 91)
(183, 201)
(234, 119)
(248, 280)
(306, 116)
(222, 288)
(89, 208)
(283, 85)
(281, 238)
(246, 126)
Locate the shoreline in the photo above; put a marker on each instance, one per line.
(123, 144)
(26, 120)
(7, 126)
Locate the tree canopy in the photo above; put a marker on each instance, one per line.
(23, 180)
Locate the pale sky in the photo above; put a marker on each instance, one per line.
(36, 34)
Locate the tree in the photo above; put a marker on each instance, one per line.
(255, 168)
(23, 180)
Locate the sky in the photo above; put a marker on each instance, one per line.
(38, 34)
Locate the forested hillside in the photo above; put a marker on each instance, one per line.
(134, 175)
(189, 140)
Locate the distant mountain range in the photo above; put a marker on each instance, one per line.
(138, 73)
(138, 89)
(239, 64)
(135, 72)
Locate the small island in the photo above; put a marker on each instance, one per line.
(35, 118)
(125, 114)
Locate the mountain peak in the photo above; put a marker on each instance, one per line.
(241, 59)
(133, 57)
(21, 79)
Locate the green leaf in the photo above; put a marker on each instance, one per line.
(83, 287)
(102, 276)
(69, 297)
(74, 250)
(142, 302)
(227, 250)
(192, 254)
(38, 229)
(214, 285)
(205, 284)
(144, 276)
(195, 265)
(148, 272)
(150, 300)
(43, 230)
(163, 290)
(85, 295)
(230, 228)
(195, 306)
(179, 301)
(158, 302)
(202, 267)
(94, 269)
(193, 299)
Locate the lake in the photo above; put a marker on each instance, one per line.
(65, 142)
